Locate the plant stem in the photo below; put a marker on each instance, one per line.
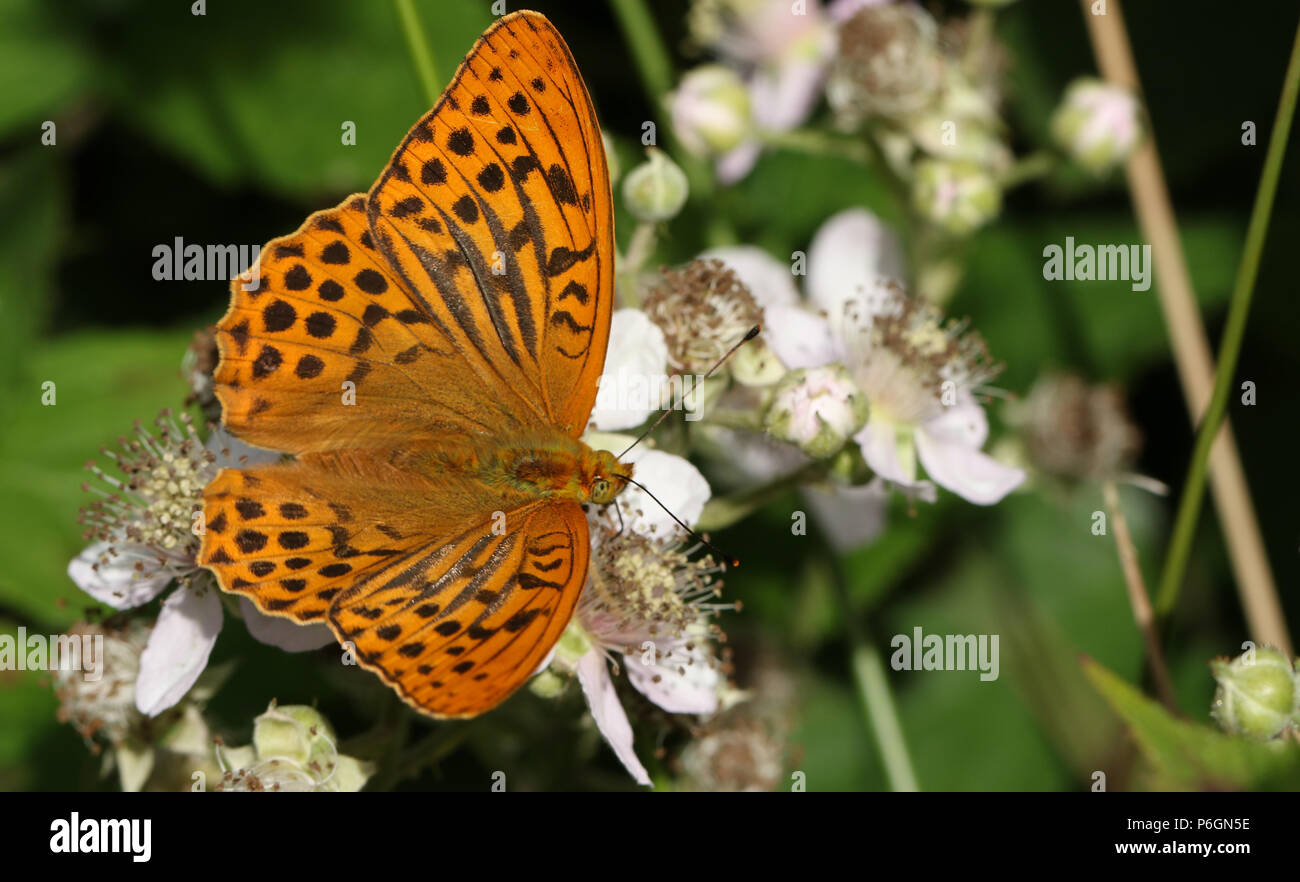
(1191, 348)
(1230, 347)
(817, 143)
(1138, 597)
(421, 53)
(723, 511)
(436, 747)
(1038, 164)
(656, 68)
(878, 704)
(873, 691)
(648, 50)
(390, 764)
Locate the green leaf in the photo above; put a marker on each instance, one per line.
(787, 196)
(1196, 756)
(261, 91)
(1031, 322)
(43, 65)
(832, 747)
(102, 385)
(32, 214)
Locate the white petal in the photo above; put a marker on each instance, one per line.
(768, 279)
(964, 470)
(178, 648)
(634, 376)
(684, 683)
(134, 763)
(850, 516)
(609, 715)
(674, 481)
(116, 582)
(733, 165)
(799, 338)
(283, 633)
(546, 662)
(963, 423)
(850, 254)
(783, 96)
(879, 442)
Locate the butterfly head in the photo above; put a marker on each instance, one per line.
(607, 477)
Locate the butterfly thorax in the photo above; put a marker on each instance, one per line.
(551, 465)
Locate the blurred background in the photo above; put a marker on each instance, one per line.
(226, 128)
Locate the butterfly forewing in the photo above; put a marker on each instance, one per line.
(497, 208)
(329, 350)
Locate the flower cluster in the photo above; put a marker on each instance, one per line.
(145, 527)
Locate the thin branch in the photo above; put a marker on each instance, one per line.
(1191, 347)
(1230, 347)
(1143, 615)
(421, 54)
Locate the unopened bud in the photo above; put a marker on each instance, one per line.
(818, 409)
(958, 196)
(1257, 697)
(656, 189)
(710, 110)
(1097, 124)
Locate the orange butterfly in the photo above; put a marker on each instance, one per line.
(429, 351)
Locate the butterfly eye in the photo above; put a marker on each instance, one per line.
(599, 488)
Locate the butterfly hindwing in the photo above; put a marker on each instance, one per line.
(496, 209)
(456, 628)
(291, 537)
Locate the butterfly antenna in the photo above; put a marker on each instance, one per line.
(728, 559)
(696, 380)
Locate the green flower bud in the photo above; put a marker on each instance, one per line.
(574, 643)
(293, 732)
(1097, 124)
(958, 196)
(710, 110)
(1257, 697)
(294, 748)
(818, 409)
(547, 684)
(656, 189)
(754, 364)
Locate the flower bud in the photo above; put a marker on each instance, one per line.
(958, 196)
(1257, 697)
(656, 189)
(1097, 124)
(755, 364)
(818, 409)
(710, 110)
(293, 732)
(294, 748)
